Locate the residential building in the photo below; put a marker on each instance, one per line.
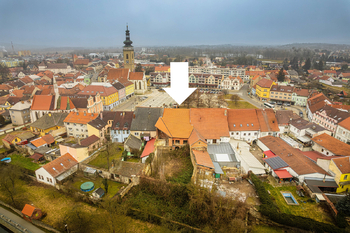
(144, 121)
(232, 83)
(174, 127)
(330, 146)
(329, 117)
(121, 126)
(76, 124)
(92, 142)
(212, 81)
(57, 170)
(234, 72)
(46, 140)
(263, 88)
(132, 143)
(149, 148)
(88, 104)
(289, 162)
(48, 123)
(315, 103)
(160, 79)
(300, 128)
(55, 68)
(299, 97)
(283, 118)
(281, 94)
(77, 151)
(97, 127)
(343, 131)
(243, 124)
(268, 122)
(81, 63)
(20, 112)
(108, 93)
(340, 168)
(121, 91)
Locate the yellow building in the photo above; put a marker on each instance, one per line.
(263, 88)
(48, 123)
(128, 52)
(109, 95)
(4, 104)
(341, 169)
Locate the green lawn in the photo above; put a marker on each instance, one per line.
(309, 209)
(24, 162)
(113, 187)
(101, 159)
(266, 229)
(2, 150)
(239, 105)
(133, 160)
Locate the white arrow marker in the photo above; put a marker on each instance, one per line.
(179, 90)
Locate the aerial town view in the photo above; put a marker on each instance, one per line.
(159, 116)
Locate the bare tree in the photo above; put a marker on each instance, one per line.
(209, 100)
(9, 182)
(235, 99)
(220, 101)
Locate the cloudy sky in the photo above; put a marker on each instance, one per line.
(166, 22)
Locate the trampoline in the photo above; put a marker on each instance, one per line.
(87, 186)
(6, 160)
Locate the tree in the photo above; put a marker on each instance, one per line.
(295, 63)
(115, 217)
(209, 100)
(320, 65)
(105, 184)
(4, 73)
(2, 120)
(9, 182)
(280, 76)
(285, 64)
(138, 68)
(149, 160)
(344, 67)
(78, 219)
(220, 100)
(235, 99)
(307, 65)
(343, 205)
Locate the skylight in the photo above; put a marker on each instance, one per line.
(61, 164)
(248, 125)
(234, 125)
(54, 168)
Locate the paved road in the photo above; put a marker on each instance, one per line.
(25, 224)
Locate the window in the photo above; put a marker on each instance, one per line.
(237, 133)
(47, 178)
(136, 134)
(50, 180)
(244, 134)
(177, 141)
(345, 177)
(185, 141)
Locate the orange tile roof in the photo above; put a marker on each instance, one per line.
(64, 103)
(38, 142)
(175, 123)
(343, 164)
(203, 158)
(162, 68)
(26, 79)
(80, 118)
(211, 123)
(254, 73)
(43, 102)
(195, 136)
(102, 90)
(255, 77)
(18, 93)
(60, 165)
(82, 62)
(332, 144)
(136, 76)
(267, 120)
(5, 87)
(28, 210)
(239, 119)
(265, 83)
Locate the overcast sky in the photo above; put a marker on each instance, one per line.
(102, 22)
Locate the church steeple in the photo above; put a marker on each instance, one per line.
(127, 41)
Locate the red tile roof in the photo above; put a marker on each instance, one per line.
(317, 101)
(80, 118)
(211, 123)
(64, 103)
(195, 136)
(149, 148)
(301, 92)
(28, 210)
(332, 144)
(136, 76)
(242, 120)
(162, 68)
(283, 174)
(82, 62)
(18, 93)
(89, 140)
(48, 138)
(93, 89)
(265, 83)
(38, 142)
(60, 165)
(26, 79)
(116, 74)
(267, 120)
(343, 164)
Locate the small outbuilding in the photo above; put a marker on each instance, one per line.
(31, 212)
(98, 193)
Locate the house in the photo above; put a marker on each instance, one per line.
(9, 140)
(299, 97)
(48, 123)
(254, 80)
(37, 158)
(340, 168)
(77, 151)
(97, 127)
(88, 104)
(121, 91)
(4, 103)
(291, 160)
(203, 167)
(283, 118)
(243, 124)
(108, 93)
(57, 170)
(329, 117)
(55, 67)
(92, 143)
(232, 83)
(211, 123)
(160, 79)
(174, 127)
(268, 122)
(127, 172)
(46, 140)
(144, 121)
(281, 94)
(342, 132)
(123, 76)
(330, 146)
(132, 143)
(149, 148)
(31, 212)
(300, 127)
(20, 112)
(120, 129)
(76, 124)
(81, 63)
(315, 103)
(263, 88)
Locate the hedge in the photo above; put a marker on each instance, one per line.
(269, 209)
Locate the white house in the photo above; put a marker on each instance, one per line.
(57, 170)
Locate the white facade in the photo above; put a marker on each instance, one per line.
(76, 130)
(247, 136)
(234, 72)
(44, 177)
(342, 134)
(299, 100)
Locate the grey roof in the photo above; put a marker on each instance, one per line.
(42, 150)
(128, 169)
(97, 123)
(118, 86)
(276, 162)
(47, 121)
(25, 135)
(314, 185)
(99, 191)
(218, 169)
(133, 142)
(292, 72)
(223, 148)
(145, 119)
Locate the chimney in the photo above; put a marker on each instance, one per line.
(134, 115)
(123, 113)
(78, 140)
(101, 115)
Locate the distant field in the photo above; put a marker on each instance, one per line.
(267, 60)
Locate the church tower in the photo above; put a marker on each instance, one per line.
(128, 52)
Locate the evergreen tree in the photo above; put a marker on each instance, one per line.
(285, 64)
(320, 65)
(343, 205)
(138, 68)
(307, 65)
(280, 76)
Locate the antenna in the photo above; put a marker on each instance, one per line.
(13, 48)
